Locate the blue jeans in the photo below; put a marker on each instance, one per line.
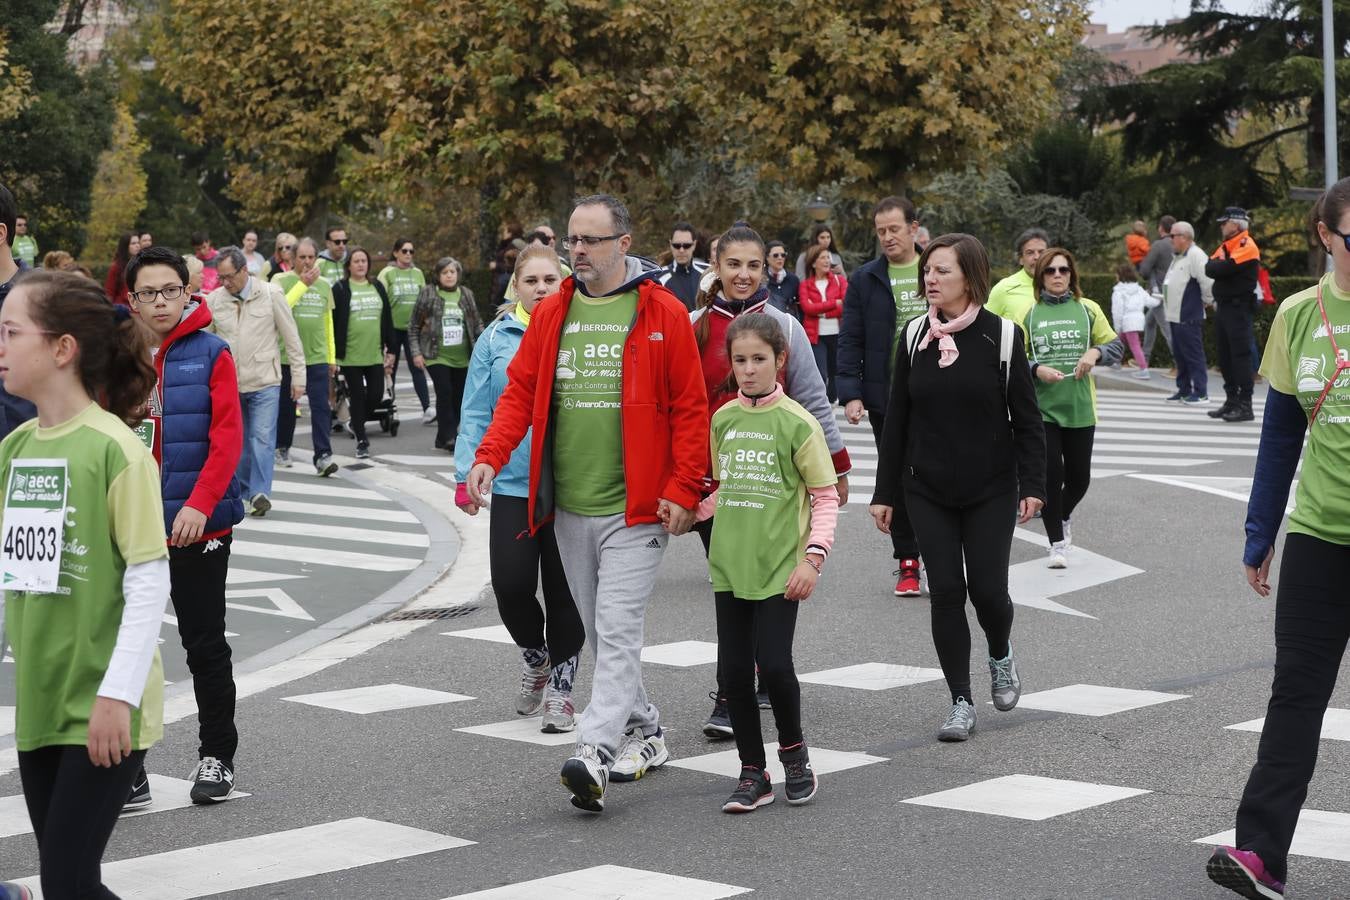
(320, 413)
(260, 440)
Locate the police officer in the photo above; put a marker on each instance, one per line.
(1234, 267)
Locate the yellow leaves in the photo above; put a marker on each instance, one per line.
(118, 192)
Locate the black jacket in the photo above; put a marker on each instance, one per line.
(783, 294)
(866, 336)
(951, 434)
(1234, 282)
(342, 311)
(683, 280)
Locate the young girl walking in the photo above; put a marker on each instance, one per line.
(1130, 304)
(776, 508)
(84, 558)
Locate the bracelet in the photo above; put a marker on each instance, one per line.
(813, 565)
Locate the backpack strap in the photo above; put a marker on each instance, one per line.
(913, 334)
(1005, 349)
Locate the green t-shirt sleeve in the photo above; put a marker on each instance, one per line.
(136, 511)
(1275, 363)
(813, 459)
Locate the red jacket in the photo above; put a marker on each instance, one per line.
(664, 412)
(831, 306)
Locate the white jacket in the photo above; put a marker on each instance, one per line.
(253, 326)
(1186, 268)
(1129, 303)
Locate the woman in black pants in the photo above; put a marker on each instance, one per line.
(443, 329)
(963, 440)
(363, 331)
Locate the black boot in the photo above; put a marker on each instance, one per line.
(1230, 401)
(1242, 410)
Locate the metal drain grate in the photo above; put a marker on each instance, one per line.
(427, 615)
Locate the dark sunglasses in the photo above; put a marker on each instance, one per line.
(288, 248)
(406, 250)
(1058, 270)
(338, 240)
(675, 246)
(777, 256)
(1343, 237)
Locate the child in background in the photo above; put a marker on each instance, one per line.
(1129, 304)
(776, 508)
(88, 586)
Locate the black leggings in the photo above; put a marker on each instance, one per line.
(517, 561)
(966, 548)
(449, 381)
(365, 391)
(750, 632)
(1312, 625)
(74, 805)
(1068, 471)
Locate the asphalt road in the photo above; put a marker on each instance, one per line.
(1058, 804)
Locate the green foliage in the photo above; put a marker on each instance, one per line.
(51, 145)
(119, 188)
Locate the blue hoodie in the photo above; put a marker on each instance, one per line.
(493, 352)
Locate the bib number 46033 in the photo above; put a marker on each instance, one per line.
(34, 519)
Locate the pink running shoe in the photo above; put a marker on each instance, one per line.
(1243, 872)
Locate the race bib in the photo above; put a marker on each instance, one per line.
(146, 432)
(452, 332)
(35, 508)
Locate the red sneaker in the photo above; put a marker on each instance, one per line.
(908, 585)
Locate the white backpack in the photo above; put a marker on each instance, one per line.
(916, 327)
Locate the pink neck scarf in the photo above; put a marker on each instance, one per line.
(943, 331)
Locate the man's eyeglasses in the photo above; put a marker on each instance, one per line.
(170, 293)
(225, 276)
(8, 331)
(590, 240)
(675, 246)
(1058, 270)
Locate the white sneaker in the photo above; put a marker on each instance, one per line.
(1068, 533)
(283, 459)
(637, 755)
(1058, 556)
(586, 776)
(428, 415)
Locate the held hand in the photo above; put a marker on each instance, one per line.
(466, 506)
(109, 732)
(1028, 508)
(1049, 375)
(1259, 578)
(297, 391)
(389, 361)
(479, 484)
(676, 518)
(842, 487)
(801, 582)
(188, 527)
(332, 370)
(418, 361)
(469, 509)
(1086, 362)
(853, 411)
(882, 516)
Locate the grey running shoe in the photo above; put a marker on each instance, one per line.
(283, 458)
(1004, 685)
(559, 715)
(960, 722)
(586, 776)
(261, 505)
(324, 466)
(533, 681)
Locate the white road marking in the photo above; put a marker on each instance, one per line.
(609, 883)
(282, 604)
(1320, 834)
(1094, 700)
(335, 532)
(1026, 797)
(681, 653)
(1335, 725)
(377, 698)
(872, 676)
(524, 730)
(728, 762)
(359, 513)
(325, 556)
(165, 794)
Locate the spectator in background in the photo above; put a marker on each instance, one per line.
(333, 257)
(202, 249)
(1154, 272)
(821, 297)
(58, 260)
(1187, 292)
(256, 261)
(1130, 304)
(283, 259)
(14, 411)
(195, 268)
(1014, 296)
(820, 234)
(147, 241)
(1235, 265)
(25, 248)
(115, 285)
(685, 271)
(922, 237)
(1136, 242)
(783, 285)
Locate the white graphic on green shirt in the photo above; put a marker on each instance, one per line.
(1058, 336)
(587, 396)
(363, 327)
(403, 286)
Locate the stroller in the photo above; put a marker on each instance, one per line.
(386, 412)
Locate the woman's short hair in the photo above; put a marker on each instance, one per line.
(1038, 275)
(813, 253)
(971, 258)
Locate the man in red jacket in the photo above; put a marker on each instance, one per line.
(608, 376)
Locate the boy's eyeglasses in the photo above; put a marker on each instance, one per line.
(170, 294)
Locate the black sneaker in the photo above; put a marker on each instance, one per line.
(363, 450)
(212, 781)
(800, 784)
(139, 798)
(753, 791)
(718, 726)
(762, 697)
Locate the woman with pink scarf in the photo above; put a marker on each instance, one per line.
(964, 442)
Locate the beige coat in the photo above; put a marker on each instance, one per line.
(252, 327)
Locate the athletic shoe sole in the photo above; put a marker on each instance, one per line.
(133, 805)
(328, 470)
(732, 806)
(207, 800)
(656, 762)
(1227, 872)
(718, 732)
(900, 593)
(586, 793)
(558, 727)
(798, 801)
(262, 506)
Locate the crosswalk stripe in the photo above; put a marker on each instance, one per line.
(325, 556)
(1173, 449)
(1106, 434)
(266, 859)
(336, 532)
(1179, 416)
(1137, 461)
(316, 489)
(169, 793)
(360, 513)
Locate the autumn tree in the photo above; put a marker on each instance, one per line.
(119, 191)
(873, 94)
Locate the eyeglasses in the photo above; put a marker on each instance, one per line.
(675, 246)
(777, 256)
(590, 240)
(170, 293)
(1058, 270)
(8, 331)
(338, 240)
(407, 250)
(287, 249)
(224, 276)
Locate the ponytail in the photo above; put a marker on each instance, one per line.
(703, 327)
(114, 349)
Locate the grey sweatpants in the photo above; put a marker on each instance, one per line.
(611, 570)
(1155, 323)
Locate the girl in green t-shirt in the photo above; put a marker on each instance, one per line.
(83, 534)
(776, 506)
(1066, 335)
